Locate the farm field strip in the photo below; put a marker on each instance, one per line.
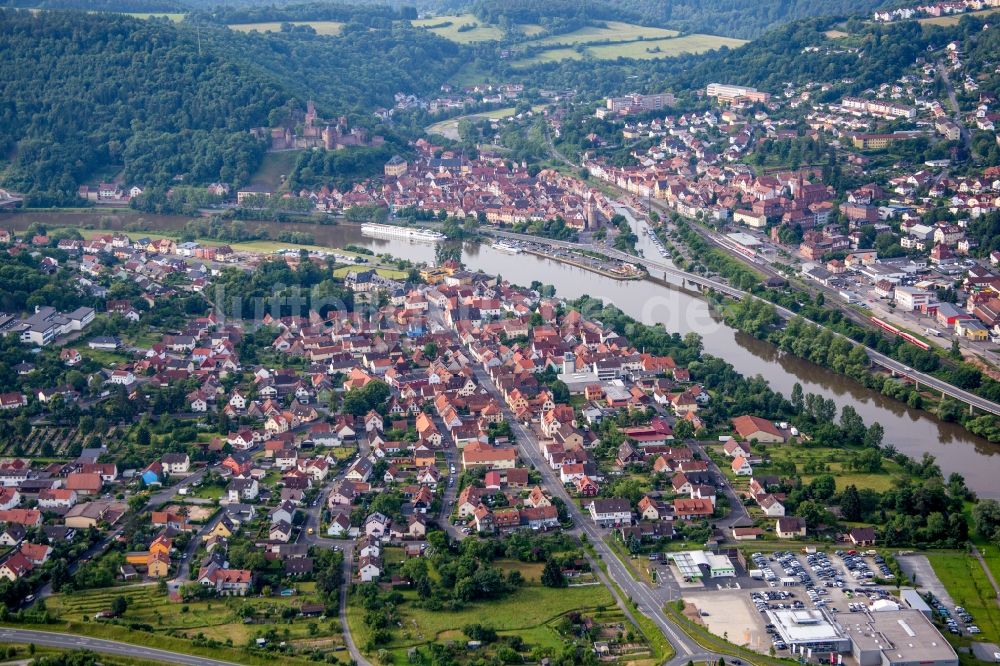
(330, 28)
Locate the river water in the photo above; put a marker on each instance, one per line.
(678, 309)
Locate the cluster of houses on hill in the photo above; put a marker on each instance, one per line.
(946, 8)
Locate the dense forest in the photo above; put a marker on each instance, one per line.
(171, 6)
(82, 93)
(372, 15)
(556, 16)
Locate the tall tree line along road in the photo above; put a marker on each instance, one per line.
(658, 269)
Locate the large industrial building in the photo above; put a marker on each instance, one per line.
(728, 93)
(903, 637)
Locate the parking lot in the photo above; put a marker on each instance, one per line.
(841, 582)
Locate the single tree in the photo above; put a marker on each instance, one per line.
(552, 575)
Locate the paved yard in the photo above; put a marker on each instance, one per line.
(926, 579)
(730, 614)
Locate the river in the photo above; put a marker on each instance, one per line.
(913, 432)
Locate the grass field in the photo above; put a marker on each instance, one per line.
(549, 55)
(390, 273)
(836, 460)
(248, 246)
(481, 33)
(527, 612)
(273, 168)
(966, 581)
(877, 482)
(616, 31)
(332, 28)
(952, 20)
(835, 34)
(176, 18)
(664, 48)
(163, 642)
(646, 49)
(990, 553)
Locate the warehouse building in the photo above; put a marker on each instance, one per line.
(903, 637)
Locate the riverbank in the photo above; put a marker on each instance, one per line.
(679, 309)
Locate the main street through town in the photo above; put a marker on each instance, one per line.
(648, 600)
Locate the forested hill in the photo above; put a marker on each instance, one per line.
(746, 19)
(165, 6)
(777, 58)
(80, 93)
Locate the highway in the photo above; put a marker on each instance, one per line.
(656, 268)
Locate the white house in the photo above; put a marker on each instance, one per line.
(608, 512)
(241, 489)
(376, 525)
(122, 378)
(176, 463)
(741, 466)
(340, 525)
(369, 569)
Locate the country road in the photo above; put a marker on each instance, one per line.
(72, 642)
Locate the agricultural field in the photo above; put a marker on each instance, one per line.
(220, 619)
(664, 48)
(615, 31)
(331, 28)
(966, 582)
(175, 17)
(480, 33)
(50, 442)
(640, 49)
(952, 20)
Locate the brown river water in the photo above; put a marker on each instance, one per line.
(678, 309)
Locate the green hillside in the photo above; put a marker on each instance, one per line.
(95, 93)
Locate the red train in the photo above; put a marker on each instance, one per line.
(886, 326)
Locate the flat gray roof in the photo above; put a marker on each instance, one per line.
(903, 636)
